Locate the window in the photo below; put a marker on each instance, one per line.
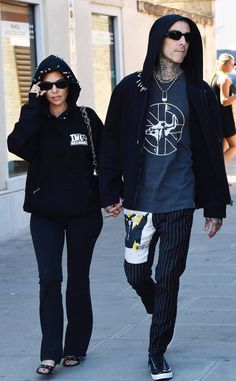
(103, 60)
(18, 44)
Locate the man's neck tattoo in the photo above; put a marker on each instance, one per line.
(167, 70)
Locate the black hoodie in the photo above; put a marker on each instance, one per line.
(122, 146)
(60, 180)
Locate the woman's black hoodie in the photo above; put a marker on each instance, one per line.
(60, 180)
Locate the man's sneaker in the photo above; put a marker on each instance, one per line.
(160, 369)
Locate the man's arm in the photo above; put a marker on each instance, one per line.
(110, 167)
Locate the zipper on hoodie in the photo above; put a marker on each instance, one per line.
(140, 128)
(139, 175)
(140, 157)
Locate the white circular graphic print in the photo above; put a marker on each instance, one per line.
(164, 128)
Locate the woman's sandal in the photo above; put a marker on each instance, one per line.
(72, 361)
(45, 369)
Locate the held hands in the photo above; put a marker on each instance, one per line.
(35, 89)
(214, 224)
(114, 210)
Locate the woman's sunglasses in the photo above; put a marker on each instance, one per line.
(176, 35)
(60, 84)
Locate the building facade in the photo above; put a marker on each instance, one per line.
(102, 40)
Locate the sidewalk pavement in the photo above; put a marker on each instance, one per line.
(204, 345)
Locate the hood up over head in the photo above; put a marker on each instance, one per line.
(55, 63)
(193, 62)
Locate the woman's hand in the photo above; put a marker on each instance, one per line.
(35, 89)
(114, 210)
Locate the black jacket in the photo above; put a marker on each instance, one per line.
(123, 138)
(60, 179)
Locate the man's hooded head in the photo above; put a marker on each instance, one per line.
(193, 62)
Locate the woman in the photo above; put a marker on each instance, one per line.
(226, 96)
(62, 196)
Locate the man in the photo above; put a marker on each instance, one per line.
(162, 156)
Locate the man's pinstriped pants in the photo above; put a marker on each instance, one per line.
(143, 230)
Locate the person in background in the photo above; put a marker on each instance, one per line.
(226, 97)
(61, 143)
(160, 160)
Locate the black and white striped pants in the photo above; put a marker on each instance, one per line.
(159, 297)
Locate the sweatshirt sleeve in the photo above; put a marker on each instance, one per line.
(218, 211)
(213, 108)
(22, 140)
(110, 168)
